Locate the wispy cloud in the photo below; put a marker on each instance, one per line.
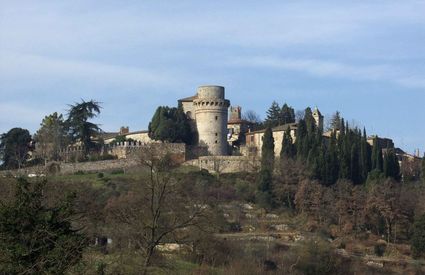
(23, 66)
(331, 69)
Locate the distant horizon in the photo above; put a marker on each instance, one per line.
(364, 59)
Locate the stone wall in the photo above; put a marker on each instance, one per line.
(226, 164)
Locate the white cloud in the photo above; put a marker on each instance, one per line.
(23, 67)
(331, 69)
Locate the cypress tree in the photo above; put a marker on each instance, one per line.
(354, 165)
(287, 114)
(288, 147)
(391, 167)
(309, 121)
(333, 164)
(377, 161)
(267, 150)
(423, 168)
(364, 157)
(300, 142)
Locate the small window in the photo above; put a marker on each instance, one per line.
(216, 117)
(216, 141)
(216, 134)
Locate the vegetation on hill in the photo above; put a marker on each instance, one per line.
(14, 148)
(170, 125)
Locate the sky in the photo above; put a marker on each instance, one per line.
(365, 59)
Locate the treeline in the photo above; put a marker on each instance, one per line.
(345, 154)
(55, 133)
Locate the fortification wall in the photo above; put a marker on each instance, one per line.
(226, 164)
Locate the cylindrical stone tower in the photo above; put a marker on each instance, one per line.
(211, 119)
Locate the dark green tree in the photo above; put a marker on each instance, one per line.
(170, 125)
(288, 147)
(36, 238)
(418, 237)
(335, 123)
(301, 141)
(309, 121)
(14, 148)
(377, 159)
(80, 128)
(265, 177)
(267, 150)
(365, 165)
(51, 137)
(423, 168)
(273, 118)
(391, 167)
(287, 114)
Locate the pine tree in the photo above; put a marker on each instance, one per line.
(364, 157)
(273, 118)
(309, 121)
(336, 121)
(288, 147)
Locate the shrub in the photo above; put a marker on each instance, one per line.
(79, 172)
(100, 175)
(117, 172)
(379, 249)
(418, 237)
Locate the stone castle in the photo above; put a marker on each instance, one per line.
(225, 141)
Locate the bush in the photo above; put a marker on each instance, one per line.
(117, 172)
(317, 257)
(379, 249)
(79, 172)
(100, 175)
(418, 237)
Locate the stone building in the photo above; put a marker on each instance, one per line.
(209, 111)
(237, 127)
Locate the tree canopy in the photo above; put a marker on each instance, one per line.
(51, 136)
(14, 147)
(80, 128)
(36, 238)
(170, 125)
(278, 116)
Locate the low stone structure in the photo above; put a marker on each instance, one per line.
(226, 164)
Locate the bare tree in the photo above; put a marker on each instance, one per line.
(160, 211)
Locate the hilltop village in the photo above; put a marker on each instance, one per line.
(225, 142)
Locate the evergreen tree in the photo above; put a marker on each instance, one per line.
(391, 167)
(364, 157)
(267, 150)
(332, 160)
(309, 121)
(170, 125)
(273, 118)
(301, 141)
(423, 168)
(287, 114)
(264, 197)
(36, 238)
(335, 123)
(80, 128)
(418, 237)
(14, 148)
(377, 160)
(288, 147)
(354, 165)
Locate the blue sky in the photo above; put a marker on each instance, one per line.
(363, 58)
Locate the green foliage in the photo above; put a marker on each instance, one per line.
(267, 150)
(391, 165)
(36, 238)
(120, 139)
(80, 128)
(418, 237)
(51, 137)
(377, 159)
(278, 116)
(288, 147)
(423, 169)
(317, 258)
(171, 125)
(379, 249)
(14, 148)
